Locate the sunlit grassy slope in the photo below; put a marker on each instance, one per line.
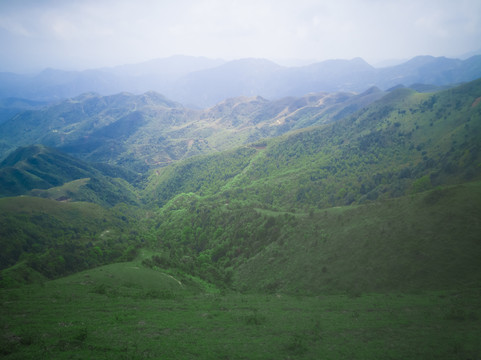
(404, 143)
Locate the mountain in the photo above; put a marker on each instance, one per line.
(379, 196)
(148, 130)
(245, 77)
(201, 82)
(357, 228)
(405, 139)
(44, 238)
(34, 169)
(52, 84)
(78, 122)
(431, 70)
(250, 77)
(330, 75)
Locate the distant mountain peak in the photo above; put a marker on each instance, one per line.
(249, 63)
(203, 82)
(371, 90)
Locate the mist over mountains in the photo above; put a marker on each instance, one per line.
(202, 82)
(148, 130)
(335, 206)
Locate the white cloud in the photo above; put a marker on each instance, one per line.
(92, 33)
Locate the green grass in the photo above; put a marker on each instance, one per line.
(424, 241)
(124, 311)
(52, 238)
(427, 240)
(63, 192)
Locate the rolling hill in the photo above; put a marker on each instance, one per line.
(43, 239)
(144, 131)
(409, 151)
(353, 234)
(34, 169)
(404, 142)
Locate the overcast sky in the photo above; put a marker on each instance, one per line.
(81, 34)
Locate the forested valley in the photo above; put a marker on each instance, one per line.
(332, 225)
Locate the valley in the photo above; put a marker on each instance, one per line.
(330, 225)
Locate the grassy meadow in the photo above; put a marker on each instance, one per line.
(398, 297)
(126, 311)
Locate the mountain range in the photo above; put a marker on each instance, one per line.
(148, 130)
(202, 82)
(336, 224)
(229, 207)
(48, 173)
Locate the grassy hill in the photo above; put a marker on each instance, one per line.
(358, 238)
(404, 143)
(34, 169)
(373, 277)
(415, 243)
(215, 216)
(43, 238)
(423, 241)
(141, 132)
(378, 182)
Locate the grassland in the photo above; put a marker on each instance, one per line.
(398, 297)
(126, 311)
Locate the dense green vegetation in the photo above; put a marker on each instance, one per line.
(44, 239)
(357, 238)
(141, 132)
(410, 243)
(46, 172)
(404, 143)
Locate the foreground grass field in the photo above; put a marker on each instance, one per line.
(126, 311)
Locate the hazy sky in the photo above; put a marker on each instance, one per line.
(80, 34)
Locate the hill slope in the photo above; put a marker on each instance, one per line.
(228, 216)
(405, 142)
(393, 189)
(37, 167)
(43, 238)
(418, 242)
(144, 131)
(358, 238)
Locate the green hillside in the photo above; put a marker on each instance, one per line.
(427, 241)
(227, 217)
(124, 311)
(356, 237)
(215, 216)
(141, 132)
(34, 169)
(404, 143)
(423, 241)
(51, 238)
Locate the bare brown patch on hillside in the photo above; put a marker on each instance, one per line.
(476, 102)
